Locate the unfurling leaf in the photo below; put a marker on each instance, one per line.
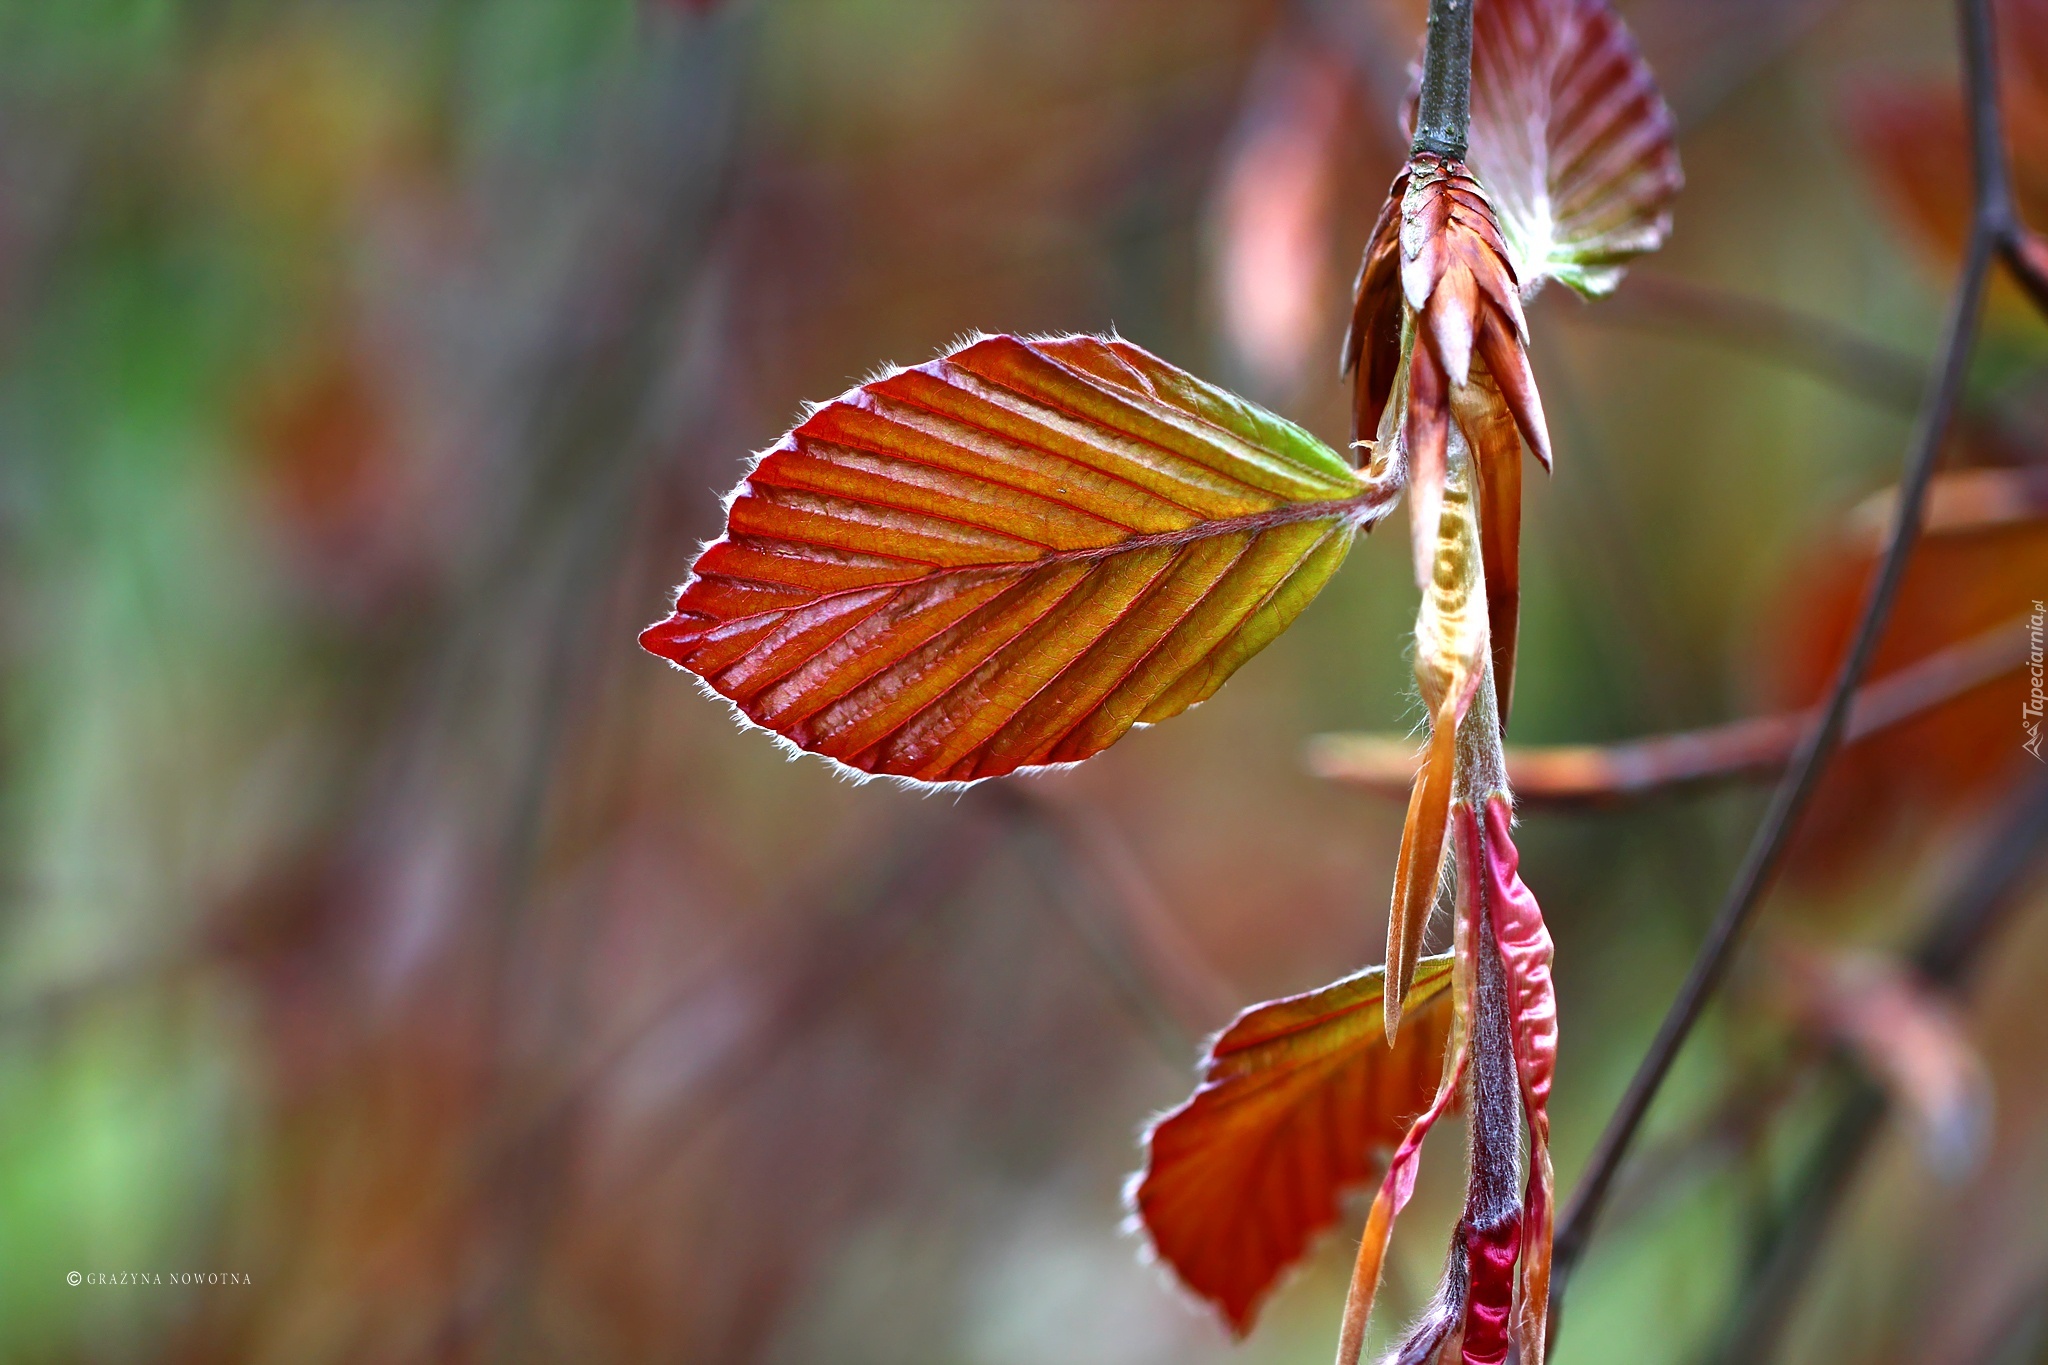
(1008, 557)
(1300, 1099)
(1571, 140)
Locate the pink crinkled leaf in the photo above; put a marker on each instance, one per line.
(1525, 951)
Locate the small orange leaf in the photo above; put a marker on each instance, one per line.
(1300, 1099)
(1008, 557)
(1418, 869)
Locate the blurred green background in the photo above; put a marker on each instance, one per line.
(383, 927)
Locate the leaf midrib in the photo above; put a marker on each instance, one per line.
(1365, 508)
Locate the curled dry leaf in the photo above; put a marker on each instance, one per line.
(1008, 557)
(1571, 139)
(1300, 1099)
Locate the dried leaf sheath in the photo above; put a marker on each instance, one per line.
(1497, 466)
(1571, 170)
(1451, 640)
(1298, 1097)
(1373, 343)
(1008, 557)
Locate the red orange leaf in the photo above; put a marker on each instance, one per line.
(1300, 1098)
(1008, 557)
(1571, 140)
(1980, 563)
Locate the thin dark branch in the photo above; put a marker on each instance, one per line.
(1990, 222)
(1949, 947)
(1443, 114)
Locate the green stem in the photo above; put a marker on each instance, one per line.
(1445, 110)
